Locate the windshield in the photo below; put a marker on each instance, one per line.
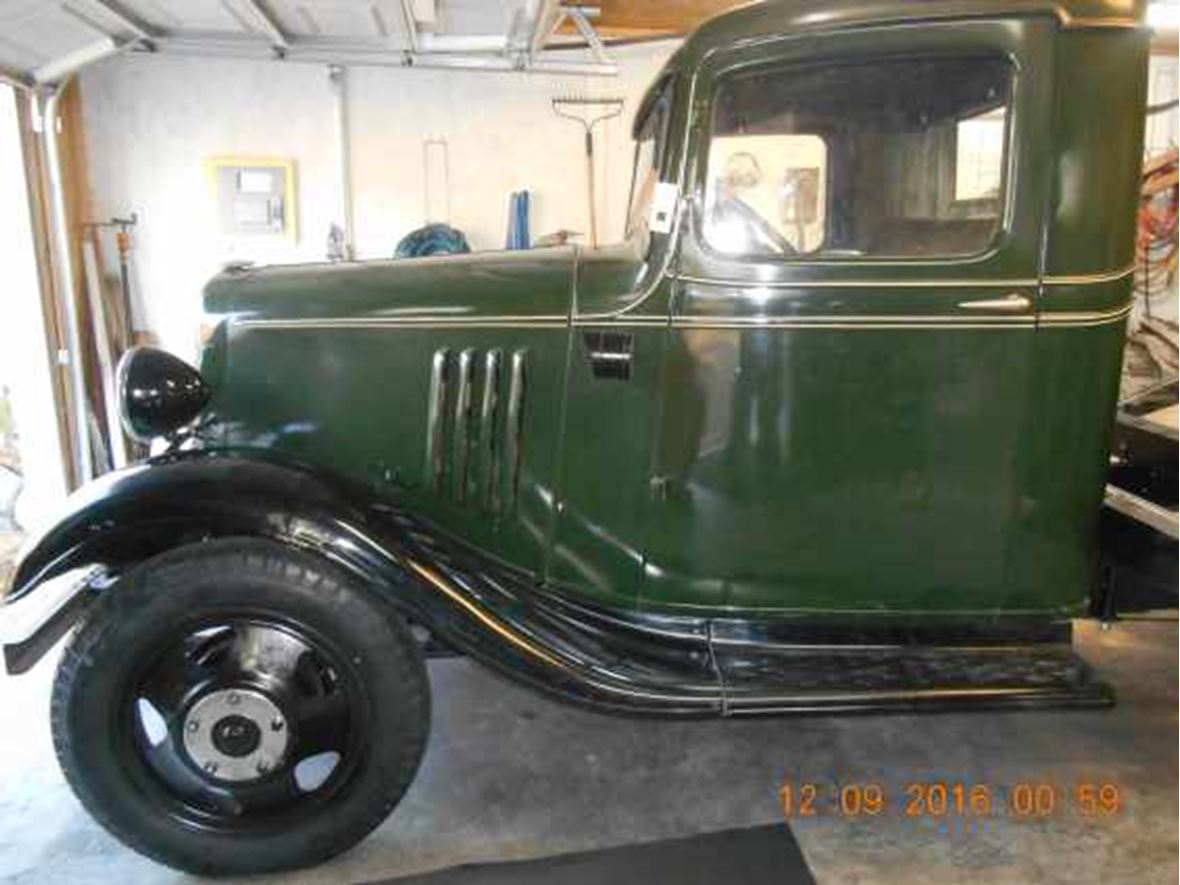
(650, 141)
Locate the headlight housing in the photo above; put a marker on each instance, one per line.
(158, 393)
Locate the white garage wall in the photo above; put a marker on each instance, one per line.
(150, 122)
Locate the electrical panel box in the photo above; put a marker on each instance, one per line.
(253, 196)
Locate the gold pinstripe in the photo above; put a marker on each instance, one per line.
(438, 582)
(909, 321)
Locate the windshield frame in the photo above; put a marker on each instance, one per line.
(651, 123)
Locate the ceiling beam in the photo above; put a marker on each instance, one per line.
(462, 43)
(410, 23)
(269, 24)
(578, 16)
(369, 52)
(127, 20)
(549, 13)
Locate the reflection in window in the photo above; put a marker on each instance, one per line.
(778, 179)
(895, 157)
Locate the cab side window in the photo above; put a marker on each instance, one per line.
(895, 158)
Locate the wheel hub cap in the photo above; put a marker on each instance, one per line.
(235, 734)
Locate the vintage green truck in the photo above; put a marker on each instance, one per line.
(827, 432)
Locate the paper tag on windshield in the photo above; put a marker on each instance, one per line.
(663, 208)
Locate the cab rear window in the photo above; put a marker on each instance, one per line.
(893, 158)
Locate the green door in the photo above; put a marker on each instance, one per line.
(611, 394)
(847, 376)
(619, 324)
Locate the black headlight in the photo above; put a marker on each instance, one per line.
(158, 393)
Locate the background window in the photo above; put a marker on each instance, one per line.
(979, 156)
(893, 158)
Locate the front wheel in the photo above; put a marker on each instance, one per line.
(238, 707)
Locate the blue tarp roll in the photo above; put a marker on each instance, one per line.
(433, 239)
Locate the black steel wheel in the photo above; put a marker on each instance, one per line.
(238, 707)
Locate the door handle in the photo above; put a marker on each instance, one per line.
(1011, 303)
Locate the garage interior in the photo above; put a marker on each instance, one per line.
(146, 145)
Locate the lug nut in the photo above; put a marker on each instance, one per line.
(276, 724)
(263, 766)
(232, 699)
(193, 725)
(211, 767)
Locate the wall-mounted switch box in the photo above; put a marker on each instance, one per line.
(253, 196)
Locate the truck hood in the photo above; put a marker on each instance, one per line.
(472, 286)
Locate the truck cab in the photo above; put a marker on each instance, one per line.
(831, 376)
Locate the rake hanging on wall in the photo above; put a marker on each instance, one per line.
(589, 112)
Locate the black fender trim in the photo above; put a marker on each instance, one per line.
(19, 657)
(618, 661)
(470, 603)
(126, 517)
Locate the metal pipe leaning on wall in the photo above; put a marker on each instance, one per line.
(64, 279)
(338, 78)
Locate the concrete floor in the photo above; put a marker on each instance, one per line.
(511, 775)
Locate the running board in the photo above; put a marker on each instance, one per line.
(913, 679)
(646, 663)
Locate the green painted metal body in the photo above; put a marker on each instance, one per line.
(792, 436)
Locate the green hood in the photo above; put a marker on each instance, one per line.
(476, 285)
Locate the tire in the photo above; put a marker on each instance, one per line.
(251, 620)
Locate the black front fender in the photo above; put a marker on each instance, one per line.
(468, 601)
(126, 517)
